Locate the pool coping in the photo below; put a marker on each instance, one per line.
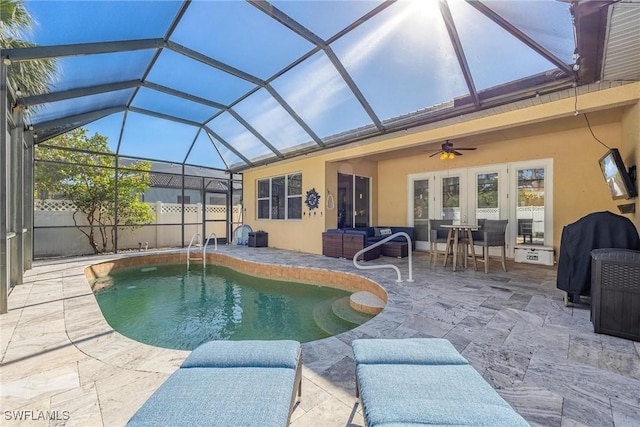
(300, 274)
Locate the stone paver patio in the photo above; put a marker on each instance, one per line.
(59, 354)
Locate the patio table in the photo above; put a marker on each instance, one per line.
(453, 240)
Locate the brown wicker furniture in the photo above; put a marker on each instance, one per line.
(615, 292)
(332, 244)
(395, 249)
(352, 243)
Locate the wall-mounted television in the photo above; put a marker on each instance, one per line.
(615, 174)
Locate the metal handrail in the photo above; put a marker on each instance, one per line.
(380, 243)
(204, 250)
(191, 244)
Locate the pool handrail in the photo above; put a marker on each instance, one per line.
(204, 250)
(380, 243)
(191, 244)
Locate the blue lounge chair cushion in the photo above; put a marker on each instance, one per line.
(220, 397)
(231, 354)
(425, 381)
(415, 351)
(228, 383)
(452, 395)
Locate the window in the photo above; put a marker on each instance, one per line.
(280, 197)
(186, 199)
(294, 196)
(531, 206)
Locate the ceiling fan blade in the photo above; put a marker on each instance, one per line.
(436, 153)
(456, 153)
(470, 148)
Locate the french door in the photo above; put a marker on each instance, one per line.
(463, 196)
(468, 195)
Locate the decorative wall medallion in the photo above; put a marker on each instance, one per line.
(313, 199)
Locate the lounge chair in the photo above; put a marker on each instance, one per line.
(228, 383)
(424, 381)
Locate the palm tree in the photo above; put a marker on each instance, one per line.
(31, 77)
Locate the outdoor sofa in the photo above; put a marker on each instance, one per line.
(228, 383)
(424, 381)
(346, 242)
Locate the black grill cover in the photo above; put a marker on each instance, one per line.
(594, 231)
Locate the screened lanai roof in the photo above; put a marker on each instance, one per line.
(234, 84)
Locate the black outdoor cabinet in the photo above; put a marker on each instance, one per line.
(258, 239)
(615, 292)
(595, 231)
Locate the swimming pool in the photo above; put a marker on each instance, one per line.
(168, 306)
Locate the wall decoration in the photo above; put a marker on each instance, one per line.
(313, 199)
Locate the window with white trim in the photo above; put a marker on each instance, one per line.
(280, 197)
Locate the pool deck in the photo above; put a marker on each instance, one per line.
(59, 354)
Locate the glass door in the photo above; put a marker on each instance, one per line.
(421, 212)
(354, 201)
(451, 202)
(464, 196)
(530, 225)
(361, 201)
(469, 195)
(489, 198)
(345, 201)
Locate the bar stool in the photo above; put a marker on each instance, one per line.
(437, 234)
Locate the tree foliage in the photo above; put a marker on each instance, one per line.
(31, 77)
(81, 169)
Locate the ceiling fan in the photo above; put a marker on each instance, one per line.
(448, 152)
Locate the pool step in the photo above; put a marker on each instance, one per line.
(327, 321)
(342, 308)
(366, 302)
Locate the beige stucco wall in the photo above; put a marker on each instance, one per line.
(549, 130)
(631, 149)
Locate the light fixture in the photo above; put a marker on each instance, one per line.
(451, 156)
(443, 156)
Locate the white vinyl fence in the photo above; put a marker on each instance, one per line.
(63, 239)
(522, 212)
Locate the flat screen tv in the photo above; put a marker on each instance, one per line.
(615, 174)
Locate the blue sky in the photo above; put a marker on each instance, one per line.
(401, 60)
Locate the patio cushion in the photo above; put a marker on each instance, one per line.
(220, 397)
(229, 354)
(228, 383)
(421, 381)
(412, 351)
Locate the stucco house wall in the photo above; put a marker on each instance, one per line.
(550, 129)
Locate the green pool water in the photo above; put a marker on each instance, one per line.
(168, 306)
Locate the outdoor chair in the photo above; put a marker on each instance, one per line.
(228, 383)
(437, 234)
(492, 234)
(424, 381)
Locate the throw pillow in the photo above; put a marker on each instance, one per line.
(385, 231)
(376, 231)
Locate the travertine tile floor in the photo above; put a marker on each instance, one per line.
(60, 356)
